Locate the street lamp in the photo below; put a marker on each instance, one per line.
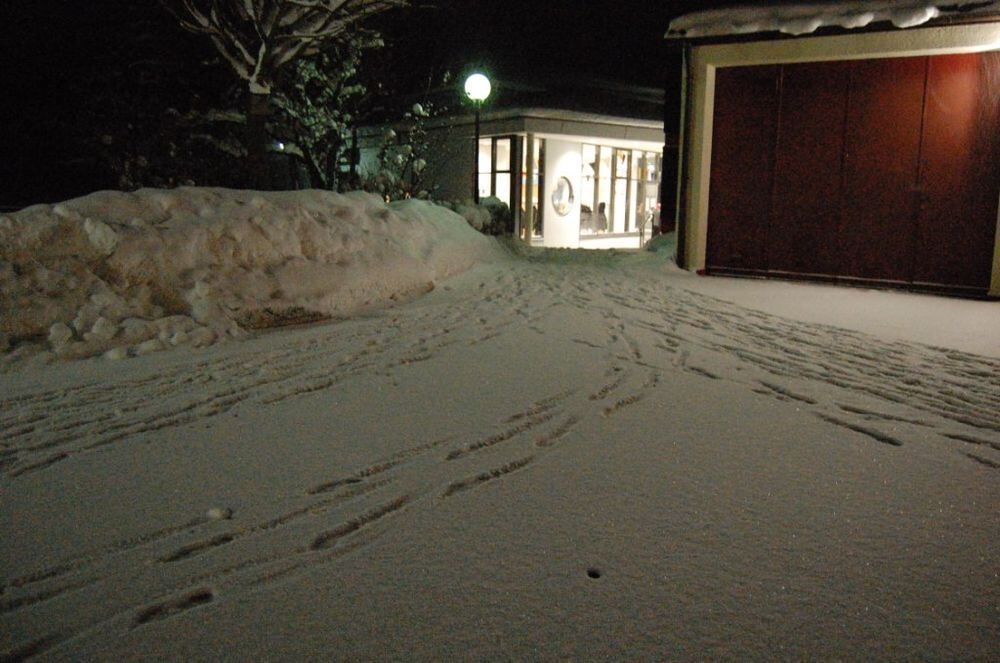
(477, 88)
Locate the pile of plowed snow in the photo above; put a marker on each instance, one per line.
(130, 273)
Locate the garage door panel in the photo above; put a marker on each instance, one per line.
(959, 171)
(746, 109)
(882, 170)
(881, 165)
(803, 235)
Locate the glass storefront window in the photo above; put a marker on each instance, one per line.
(532, 185)
(485, 166)
(605, 162)
(502, 155)
(484, 185)
(502, 187)
(619, 190)
(538, 186)
(621, 202)
(635, 189)
(588, 190)
(525, 195)
(485, 156)
(495, 156)
(651, 188)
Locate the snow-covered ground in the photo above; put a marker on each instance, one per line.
(551, 455)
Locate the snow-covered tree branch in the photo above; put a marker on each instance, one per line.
(258, 37)
(317, 100)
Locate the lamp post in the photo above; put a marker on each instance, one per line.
(477, 88)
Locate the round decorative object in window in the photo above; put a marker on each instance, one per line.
(562, 197)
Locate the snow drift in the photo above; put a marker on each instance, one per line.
(131, 273)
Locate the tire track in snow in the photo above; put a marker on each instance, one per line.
(931, 382)
(192, 555)
(263, 378)
(852, 381)
(484, 477)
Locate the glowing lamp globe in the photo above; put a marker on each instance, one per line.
(477, 87)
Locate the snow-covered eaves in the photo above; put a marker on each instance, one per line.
(552, 114)
(807, 18)
(533, 119)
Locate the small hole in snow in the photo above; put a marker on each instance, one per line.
(593, 573)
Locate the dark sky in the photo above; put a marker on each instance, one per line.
(48, 47)
(619, 39)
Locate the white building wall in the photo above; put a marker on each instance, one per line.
(562, 159)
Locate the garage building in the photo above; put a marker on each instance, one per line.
(850, 142)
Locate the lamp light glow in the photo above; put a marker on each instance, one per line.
(477, 87)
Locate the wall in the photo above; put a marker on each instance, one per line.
(450, 162)
(706, 59)
(562, 159)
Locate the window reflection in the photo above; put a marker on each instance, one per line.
(532, 183)
(619, 190)
(619, 212)
(495, 168)
(588, 190)
(650, 183)
(537, 186)
(602, 205)
(502, 154)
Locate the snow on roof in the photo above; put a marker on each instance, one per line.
(550, 113)
(806, 18)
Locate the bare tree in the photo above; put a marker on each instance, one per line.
(259, 37)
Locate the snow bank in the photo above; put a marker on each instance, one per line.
(130, 273)
(806, 18)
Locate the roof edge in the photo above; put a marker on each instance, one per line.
(760, 22)
(532, 112)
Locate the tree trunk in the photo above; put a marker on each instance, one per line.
(316, 176)
(257, 141)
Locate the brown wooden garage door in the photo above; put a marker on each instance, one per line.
(883, 171)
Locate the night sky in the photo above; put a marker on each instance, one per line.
(620, 39)
(56, 52)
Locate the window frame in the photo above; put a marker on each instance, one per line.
(493, 172)
(636, 181)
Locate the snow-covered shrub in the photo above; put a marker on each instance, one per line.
(501, 219)
(402, 157)
(476, 216)
(665, 244)
(491, 216)
(317, 104)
